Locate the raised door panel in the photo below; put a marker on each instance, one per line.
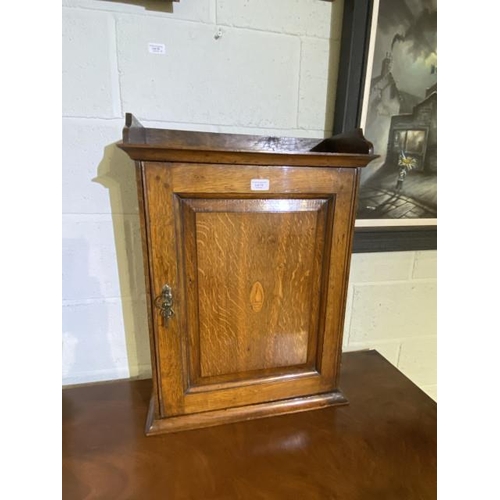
(258, 281)
(254, 278)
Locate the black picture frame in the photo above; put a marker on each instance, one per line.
(354, 47)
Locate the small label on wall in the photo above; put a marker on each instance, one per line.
(156, 48)
(259, 184)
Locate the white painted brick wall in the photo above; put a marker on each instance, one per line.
(86, 155)
(90, 80)
(273, 71)
(315, 106)
(295, 17)
(391, 307)
(204, 80)
(200, 11)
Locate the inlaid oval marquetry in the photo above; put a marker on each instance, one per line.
(257, 296)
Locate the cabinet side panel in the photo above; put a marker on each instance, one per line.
(139, 173)
(339, 274)
(351, 217)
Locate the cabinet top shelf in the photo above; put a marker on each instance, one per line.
(152, 144)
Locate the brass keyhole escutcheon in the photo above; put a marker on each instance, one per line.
(164, 302)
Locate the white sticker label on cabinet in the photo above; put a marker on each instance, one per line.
(259, 184)
(156, 48)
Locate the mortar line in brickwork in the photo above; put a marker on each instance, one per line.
(79, 117)
(270, 32)
(152, 16)
(399, 354)
(395, 282)
(260, 30)
(251, 127)
(99, 300)
(85, 377)
(299, 83)
(105, 214)
(145, 121)
(228, 129)
(366, 344)
(197, 21)
(412, 266)
(118, 71)
(98, 217)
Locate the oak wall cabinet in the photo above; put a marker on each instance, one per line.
(246, 243)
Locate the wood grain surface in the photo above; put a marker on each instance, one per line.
(258, 281)
(183, 140)
(246, 243)
(144, 143)
(307, 160)
(382, 446)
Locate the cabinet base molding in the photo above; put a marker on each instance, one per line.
(238, 414)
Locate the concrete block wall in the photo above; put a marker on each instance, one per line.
(231, 66)
(391, 307)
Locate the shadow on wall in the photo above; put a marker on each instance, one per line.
(116, 172)
(156, 5)
(81, 345)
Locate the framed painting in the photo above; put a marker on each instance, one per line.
(387, 85)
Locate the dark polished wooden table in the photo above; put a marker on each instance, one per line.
(381, 446)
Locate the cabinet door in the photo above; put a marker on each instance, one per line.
(258, 281)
